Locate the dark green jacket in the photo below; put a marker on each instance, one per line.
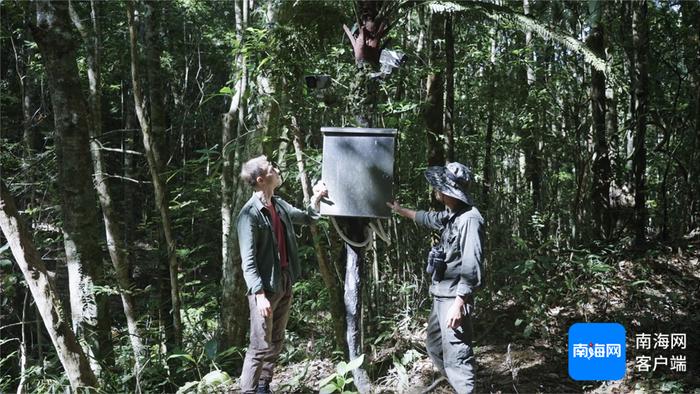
(260, 257)
(462, 239)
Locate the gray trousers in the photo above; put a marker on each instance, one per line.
(451, 348)
(266, 336)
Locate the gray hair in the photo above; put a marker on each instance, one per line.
(252, 169)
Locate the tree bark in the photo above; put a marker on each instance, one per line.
(24, 56)
(530, 135)
(154, 73)
(353, 304)
(91, 35)
(600, 198)
(69, 352)
(435, 85)
(488, 140)
(233, 305)
(160, 189)
(449, 89)
(691, 18)
(55, 38)
(640, 32)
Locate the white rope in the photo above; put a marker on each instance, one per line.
(378, 229)
(374, 227)
(348, 240)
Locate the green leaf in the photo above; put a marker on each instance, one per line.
(518, 322)
(328, 389)
(341, 368)
(214, 378)
(183, 355)
(639, 282)
(189, 387)
(211, 348)
(354, 364)
(262, 62)
(226, 90)
(327, 380)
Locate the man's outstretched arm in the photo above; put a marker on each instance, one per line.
(405, 212)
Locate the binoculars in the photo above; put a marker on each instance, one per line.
(436, 263)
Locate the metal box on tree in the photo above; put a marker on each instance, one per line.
(358, 168)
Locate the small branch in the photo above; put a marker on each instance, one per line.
(127, 179)
(102, 147)
(131, 152)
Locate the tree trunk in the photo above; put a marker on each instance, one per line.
(156, 97)
(353, 307)
(69, 352)
(691, 18)
(435, 87)
(640, 31)
(54, 36)
(268, 118)
(449, 124)
(336, 308)
(488, 140)
(234, 308)
(115, 245)
(530, 135)
(160, 189)
(601, 162)
(24, 56)
(363, 100)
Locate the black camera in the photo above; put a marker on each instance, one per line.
(436, 263)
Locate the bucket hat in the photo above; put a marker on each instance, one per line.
(452, 180)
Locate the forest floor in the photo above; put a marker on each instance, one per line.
(659, 293)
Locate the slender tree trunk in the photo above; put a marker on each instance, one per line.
(54, 36)
(268, 88)
(234, 309)
(68, 350)
(435, 86)
(154, 72)
(612, 129)
(488, 140)
(154, 102)
(115, 245)
(449, 124)
(530, 141)
(628, 45)
(329, 278)
(23, 347)
(601, 162)
(353, 306)
(690, 11)
(161, 193)
(24, 56)
(640, 31)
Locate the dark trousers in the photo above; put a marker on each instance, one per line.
(451, 348)
(266, 336)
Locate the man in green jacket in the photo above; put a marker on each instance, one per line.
(457, 269)
(270, 266)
